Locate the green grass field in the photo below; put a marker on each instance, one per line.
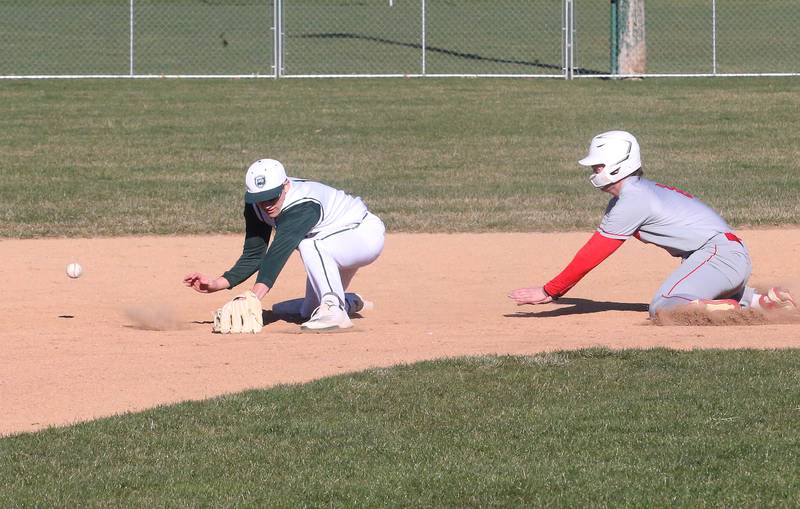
(591, 428)
(376, 36)
(92, 158)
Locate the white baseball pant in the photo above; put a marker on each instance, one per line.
(331, 260)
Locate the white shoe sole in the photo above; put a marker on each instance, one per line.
(330, 328)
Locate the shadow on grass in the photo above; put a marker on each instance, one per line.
(444, 51)
(580, 307)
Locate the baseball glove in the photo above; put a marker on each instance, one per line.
(242, 314)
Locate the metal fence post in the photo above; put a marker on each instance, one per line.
(131, 54)
(568, 41)
(277, 39)
(424, 38)
(714, 37)
(614, 37)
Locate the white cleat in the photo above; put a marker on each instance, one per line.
(777, 298)
(329, 316)
(354, 303)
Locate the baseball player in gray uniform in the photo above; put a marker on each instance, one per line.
(333, 231)
(715, 264)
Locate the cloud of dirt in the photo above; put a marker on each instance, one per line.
(693, 316)
(688, 316)
(156, 317)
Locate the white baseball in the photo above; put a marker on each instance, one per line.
(74, 270)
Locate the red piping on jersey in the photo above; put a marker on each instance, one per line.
(677, 190)
(596, 249)
(692, 272)
(733, 238)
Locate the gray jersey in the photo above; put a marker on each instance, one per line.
(662, 215)
(338, 209)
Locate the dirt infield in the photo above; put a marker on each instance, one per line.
(128, 336)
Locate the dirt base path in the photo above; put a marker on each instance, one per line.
(78, 349)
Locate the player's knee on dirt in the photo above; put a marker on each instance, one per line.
(662, 303)
(654, 306)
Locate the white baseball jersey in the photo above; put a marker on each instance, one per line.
(337, 209)
(332, 230)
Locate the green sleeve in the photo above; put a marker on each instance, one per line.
(255, 244)
(291, 227)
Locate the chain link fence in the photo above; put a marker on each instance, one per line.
(698, 37)
(373, 37)
(293, 38)
(136, 37)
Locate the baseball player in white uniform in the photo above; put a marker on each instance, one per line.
(715, 264)
(333, 231)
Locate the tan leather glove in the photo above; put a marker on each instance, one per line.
(242, 314)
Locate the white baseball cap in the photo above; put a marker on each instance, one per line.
(264, 180)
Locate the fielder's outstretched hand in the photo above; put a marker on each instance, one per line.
(533, 295)
(203, 284)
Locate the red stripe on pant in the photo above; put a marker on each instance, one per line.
(693, 271)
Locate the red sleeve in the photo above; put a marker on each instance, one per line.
(597, 249)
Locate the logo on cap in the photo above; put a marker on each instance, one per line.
(260, 181)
